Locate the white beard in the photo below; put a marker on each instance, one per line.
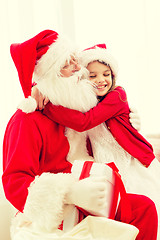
(74, 94)
(69, 92)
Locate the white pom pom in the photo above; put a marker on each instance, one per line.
(28, 105)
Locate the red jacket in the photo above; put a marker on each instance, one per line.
(33, 144)
(114, 111)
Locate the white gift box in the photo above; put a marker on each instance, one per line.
(116, 191)
(97, 169)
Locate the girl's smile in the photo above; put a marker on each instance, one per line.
(101, 77)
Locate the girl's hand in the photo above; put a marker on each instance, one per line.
(135, 119)
(40, 99)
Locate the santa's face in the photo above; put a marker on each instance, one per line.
(101, 77)
(70, 68)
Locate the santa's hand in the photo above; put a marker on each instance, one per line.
(89, 194)
(135, 118)
(40, 99)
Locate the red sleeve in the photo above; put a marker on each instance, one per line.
(22, 143)
(114, 104)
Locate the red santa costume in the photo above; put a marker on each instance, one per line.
(36, 173)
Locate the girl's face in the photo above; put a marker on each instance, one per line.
(70, 68)
(101, 77)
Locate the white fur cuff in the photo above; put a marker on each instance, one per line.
(45, 202)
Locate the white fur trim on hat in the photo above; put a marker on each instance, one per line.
(28, 105)
(54, 59)
(100, 54)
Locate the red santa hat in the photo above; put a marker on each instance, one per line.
(46, 51)
(99, 53)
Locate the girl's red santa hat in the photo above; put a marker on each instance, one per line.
(99, 53)
(47, 51)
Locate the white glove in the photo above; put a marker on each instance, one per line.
(89, 193)
(135, 119)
